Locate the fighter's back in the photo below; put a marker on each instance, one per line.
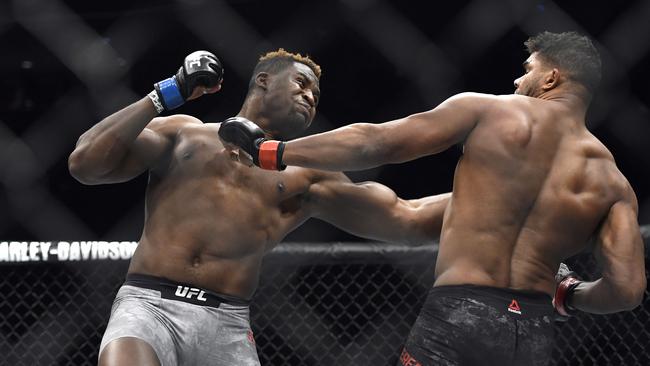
(530, 190)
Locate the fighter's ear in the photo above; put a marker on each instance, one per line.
(262, 79)
(551, 79)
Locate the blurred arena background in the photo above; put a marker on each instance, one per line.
(65, 65)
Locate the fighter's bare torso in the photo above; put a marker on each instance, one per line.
(531, 189)
(209, 220)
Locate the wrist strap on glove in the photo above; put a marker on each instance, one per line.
(169, 93)
(563, 293)
(270, 156)
(156, 101)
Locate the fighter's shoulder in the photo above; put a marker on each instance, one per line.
(516, 101)
(609, 172)
(620, 187)
(512, 106)
(172, 124)
(488, 103)
(594, 148)
(474, 98)
(619, 181)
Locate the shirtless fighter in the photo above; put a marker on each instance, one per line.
(209, 220)
(533, 185)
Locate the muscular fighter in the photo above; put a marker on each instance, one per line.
(532, 186)
(209, 220)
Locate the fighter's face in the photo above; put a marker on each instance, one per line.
(291, 99)
(530, 83)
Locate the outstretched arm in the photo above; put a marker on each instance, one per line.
(374, 211)
(362, 145)
(366, 145)
(620, 251)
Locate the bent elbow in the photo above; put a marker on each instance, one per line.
(639, 293)
(632, 296)
(632, 302)
(79, 169)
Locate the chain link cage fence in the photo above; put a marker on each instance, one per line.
(317, 304)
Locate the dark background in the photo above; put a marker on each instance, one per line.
(65, 65)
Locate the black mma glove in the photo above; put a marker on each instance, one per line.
(200, 68)
(267, 154)
(566, 280)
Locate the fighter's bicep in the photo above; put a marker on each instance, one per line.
(436, 130)
(337, 196)
(326, 191)
(144, 154)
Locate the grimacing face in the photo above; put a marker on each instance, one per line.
(291, 99)
(530, 83)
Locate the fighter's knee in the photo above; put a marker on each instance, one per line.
(128, 351)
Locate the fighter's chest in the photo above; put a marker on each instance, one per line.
(204, 160)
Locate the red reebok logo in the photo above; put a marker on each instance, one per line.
(514, 307)
(407, 360)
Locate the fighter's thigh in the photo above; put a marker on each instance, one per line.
(227, 339)
(128, 351)
(137, 318)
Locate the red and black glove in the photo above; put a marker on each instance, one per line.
(566, 280)
(267, 154)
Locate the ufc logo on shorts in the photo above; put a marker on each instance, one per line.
(188, 292)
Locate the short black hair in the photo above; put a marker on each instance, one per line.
(570, 52)
(276, 61)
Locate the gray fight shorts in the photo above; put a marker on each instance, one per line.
(184, 325)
